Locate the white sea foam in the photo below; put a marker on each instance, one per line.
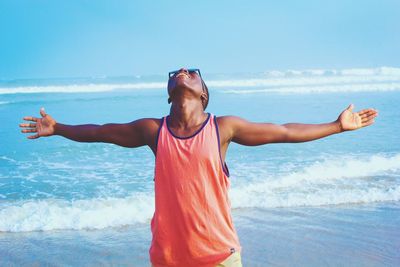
(371, 87)
(382, 71)
(345, 180)
(330, 182)
(54, 214)
(74, 88)
(302, 81)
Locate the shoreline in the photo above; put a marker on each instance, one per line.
(350, 235)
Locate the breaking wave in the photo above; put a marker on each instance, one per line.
(344, 180)
(292, 81)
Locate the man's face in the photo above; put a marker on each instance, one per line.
(185, 81)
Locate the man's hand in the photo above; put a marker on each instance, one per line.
(133, 134)
(43, 126)
(349, 120)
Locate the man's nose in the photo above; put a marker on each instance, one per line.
(184, 70)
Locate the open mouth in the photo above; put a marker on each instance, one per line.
(181, 74)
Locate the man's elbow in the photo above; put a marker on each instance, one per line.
(102, 133)
(283, 135)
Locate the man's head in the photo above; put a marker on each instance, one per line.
(187, 82)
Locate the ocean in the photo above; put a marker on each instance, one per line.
(330, 202)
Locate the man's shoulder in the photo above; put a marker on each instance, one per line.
(149, 125)
(227, 125)
(228, 120)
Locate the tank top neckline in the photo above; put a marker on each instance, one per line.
(191, 136)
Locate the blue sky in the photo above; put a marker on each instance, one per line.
(43, 39)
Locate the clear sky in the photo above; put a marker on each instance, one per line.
(53, 38)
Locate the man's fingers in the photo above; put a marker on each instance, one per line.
(31, 125)
(365, 111)
(368, 123)
(33, 136)
(368, 114)
(368, 117)
(34, 130)
(42, 112)
(30, 119)
(350, 107)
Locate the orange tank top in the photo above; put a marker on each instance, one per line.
(192, 223)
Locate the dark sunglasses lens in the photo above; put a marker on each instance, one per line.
(172, 73)
(195, 70)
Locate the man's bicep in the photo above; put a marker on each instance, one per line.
(124, 134)
(254, 134)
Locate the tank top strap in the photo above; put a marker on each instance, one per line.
(215, 127)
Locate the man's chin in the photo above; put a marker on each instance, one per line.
(181, 90)
(180, 87)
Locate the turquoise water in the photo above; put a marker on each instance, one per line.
(290, 202)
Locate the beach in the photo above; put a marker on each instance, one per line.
(330, 202)
(351, 235)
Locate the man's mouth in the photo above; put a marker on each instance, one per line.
(182, 73)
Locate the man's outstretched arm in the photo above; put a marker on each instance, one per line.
(133, 134)
(253, 134)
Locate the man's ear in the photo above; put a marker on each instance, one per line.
(169, 100)
(203, 98)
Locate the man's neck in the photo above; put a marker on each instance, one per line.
(186, 114)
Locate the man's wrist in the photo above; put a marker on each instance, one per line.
(338, 126)
(56, 128)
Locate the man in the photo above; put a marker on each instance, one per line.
(192, 223)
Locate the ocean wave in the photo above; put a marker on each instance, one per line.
(52, 214)
(79, 88)
(372, 87)
(345, 180)
(303, 81)
(331, 181)
(382, 71)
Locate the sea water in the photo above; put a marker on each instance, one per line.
(334, 201)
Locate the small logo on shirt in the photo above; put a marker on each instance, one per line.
(232, 250)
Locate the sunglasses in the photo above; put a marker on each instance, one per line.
(172, 73)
